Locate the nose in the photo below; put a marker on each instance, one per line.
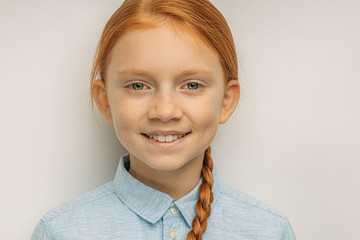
(165, 107)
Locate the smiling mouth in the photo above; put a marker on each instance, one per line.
(166, 138)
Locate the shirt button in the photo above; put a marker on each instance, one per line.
(174, 210)
(173, 234)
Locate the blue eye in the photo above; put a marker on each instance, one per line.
(193, 85)
(137, 86)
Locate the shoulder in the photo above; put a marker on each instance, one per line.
(237, 199)
(82, 216)
(247, 216)
(96, 197)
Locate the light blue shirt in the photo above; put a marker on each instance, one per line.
(127, 209)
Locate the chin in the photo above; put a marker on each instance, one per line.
(166, 163)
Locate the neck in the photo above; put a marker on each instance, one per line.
(176, 183)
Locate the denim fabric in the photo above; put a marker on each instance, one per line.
(127, 209)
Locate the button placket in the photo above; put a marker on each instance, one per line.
(173, 223)
(174, 211)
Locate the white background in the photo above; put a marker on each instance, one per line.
(293, 142)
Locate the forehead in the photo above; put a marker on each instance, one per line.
(163, 49)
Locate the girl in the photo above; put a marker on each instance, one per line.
(165, 75)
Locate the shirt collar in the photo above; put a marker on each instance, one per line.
(151, 204)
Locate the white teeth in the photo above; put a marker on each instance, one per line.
(161, 138)
(166, 138)
(169, 138)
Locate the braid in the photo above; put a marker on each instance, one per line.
(203, 208)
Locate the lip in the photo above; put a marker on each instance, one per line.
(165, 145)
(166, 133)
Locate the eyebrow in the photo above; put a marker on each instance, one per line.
(186, 72)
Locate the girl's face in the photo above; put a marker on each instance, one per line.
(159, 84)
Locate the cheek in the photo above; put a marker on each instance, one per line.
(206, 113)
(126, 112)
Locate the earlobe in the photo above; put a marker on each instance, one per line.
(101, 99)
(230, 101)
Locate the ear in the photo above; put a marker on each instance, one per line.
(230, 100)
(101, 99)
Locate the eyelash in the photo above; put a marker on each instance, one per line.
(132, 86)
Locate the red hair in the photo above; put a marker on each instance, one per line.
(199, 17)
